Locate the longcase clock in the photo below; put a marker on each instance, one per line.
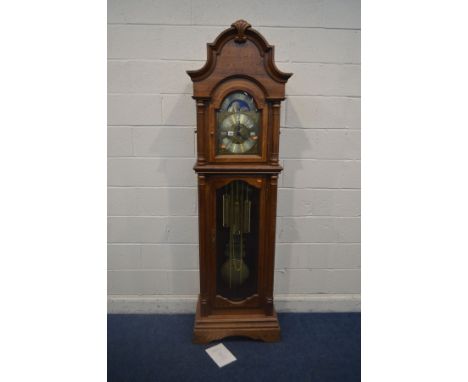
(238, 94)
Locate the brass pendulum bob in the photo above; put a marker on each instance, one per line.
(234, 270)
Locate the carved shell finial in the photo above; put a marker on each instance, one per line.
(241, 26)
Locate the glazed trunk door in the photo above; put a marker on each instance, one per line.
(238, 207)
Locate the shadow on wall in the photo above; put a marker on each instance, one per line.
(181, 230)
(282, 280)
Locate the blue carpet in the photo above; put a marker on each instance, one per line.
(314, 347)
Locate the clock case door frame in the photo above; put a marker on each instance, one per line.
(260, 302)
(221, 92)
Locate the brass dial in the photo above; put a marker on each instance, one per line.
(237, 133)
(238, 125)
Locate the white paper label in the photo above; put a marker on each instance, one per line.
(220, 355)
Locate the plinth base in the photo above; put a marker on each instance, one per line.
(253, 325)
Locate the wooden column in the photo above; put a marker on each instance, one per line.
(201, 126)
(275, 124)
(270, 248)
(202, 229)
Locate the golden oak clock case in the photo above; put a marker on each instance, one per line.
(238, 93)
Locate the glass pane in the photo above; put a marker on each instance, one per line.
(238, 125)
(237, 206)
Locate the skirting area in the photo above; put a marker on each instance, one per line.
(314, 347)
(156, 304)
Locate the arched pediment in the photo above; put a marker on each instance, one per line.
(239, 51)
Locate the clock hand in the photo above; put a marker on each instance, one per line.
(238, 124)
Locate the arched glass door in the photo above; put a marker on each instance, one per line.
(237, 234)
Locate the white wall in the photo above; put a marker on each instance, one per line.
(152, 205)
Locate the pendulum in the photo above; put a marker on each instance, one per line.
(236, 217)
